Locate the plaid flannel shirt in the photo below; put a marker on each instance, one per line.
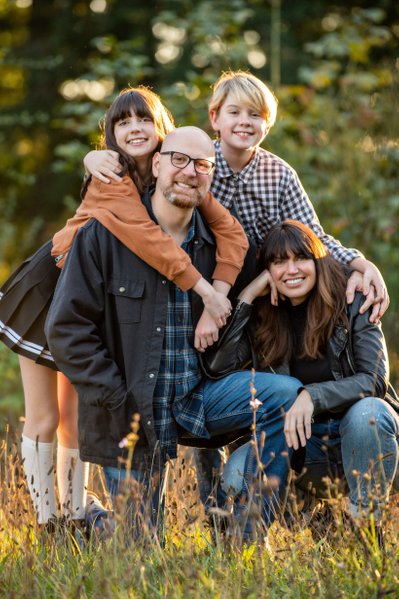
(177, 394)
(268, 191)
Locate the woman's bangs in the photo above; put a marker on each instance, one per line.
(278, 250)
(284, 241)
(299, 246)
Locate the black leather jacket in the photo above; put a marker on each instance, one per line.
(357, 357)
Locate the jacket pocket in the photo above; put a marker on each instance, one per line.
(95, 439)
(128, 297)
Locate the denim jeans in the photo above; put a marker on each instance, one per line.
(227, 408)
(209, 464)
(361, 449)
(145, 498)
(363, 442)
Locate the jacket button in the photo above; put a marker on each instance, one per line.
(122, 289)
(159, 329)
(163, 282)
(149, 422)
(151, 375)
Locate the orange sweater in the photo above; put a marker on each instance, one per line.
(118, 207)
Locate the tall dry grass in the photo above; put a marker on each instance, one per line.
(303, 561)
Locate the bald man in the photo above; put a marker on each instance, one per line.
(124, 336)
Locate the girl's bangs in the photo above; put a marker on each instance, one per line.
(130, 102)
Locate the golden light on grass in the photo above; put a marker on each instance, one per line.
(317, 554)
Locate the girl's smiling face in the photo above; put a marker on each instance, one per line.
(135, 125)
(137, 136)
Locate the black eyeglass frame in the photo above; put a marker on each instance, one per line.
(194, 160)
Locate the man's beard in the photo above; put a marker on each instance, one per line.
(179, 199)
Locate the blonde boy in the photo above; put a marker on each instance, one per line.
(260, 187)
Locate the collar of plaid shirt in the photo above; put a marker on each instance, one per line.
(223, 170)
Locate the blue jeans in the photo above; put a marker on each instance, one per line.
(227, 408)
(363, 442)
(145, 498)
(209, 464)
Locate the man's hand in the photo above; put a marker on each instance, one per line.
(298, 420)
(206, 333)
(103, 164)
(369, 280)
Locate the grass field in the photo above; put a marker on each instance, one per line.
(36, 564)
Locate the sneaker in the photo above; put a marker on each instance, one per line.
(98, 520)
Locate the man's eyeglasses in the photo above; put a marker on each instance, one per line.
(180, 160)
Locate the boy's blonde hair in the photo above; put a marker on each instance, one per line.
(247, 89)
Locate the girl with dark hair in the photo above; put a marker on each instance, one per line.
(293, 319)
(135, 126)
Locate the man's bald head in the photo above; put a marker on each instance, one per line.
(194, 137)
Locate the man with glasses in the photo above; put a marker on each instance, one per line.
(124, 336)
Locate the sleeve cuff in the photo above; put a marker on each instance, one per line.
(227, 273)
(188, 278)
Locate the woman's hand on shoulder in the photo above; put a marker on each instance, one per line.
(103, 164)
(259, 287)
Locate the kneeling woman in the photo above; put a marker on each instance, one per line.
(293, 319)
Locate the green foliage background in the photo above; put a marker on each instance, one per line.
(333, 66)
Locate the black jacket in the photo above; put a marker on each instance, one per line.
(357, 357)
(105, 330)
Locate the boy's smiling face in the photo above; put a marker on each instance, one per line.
(241, 127)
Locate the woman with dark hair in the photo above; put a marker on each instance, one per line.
(293, 319)
(135, 125)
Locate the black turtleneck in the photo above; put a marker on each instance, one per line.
(305, 369)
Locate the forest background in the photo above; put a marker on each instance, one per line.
(333, 66)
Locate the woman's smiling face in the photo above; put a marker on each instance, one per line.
(294, 276)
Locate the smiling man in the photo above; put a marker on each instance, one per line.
(124, 336)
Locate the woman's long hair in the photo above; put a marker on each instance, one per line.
(326, 306)
(143, 103)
